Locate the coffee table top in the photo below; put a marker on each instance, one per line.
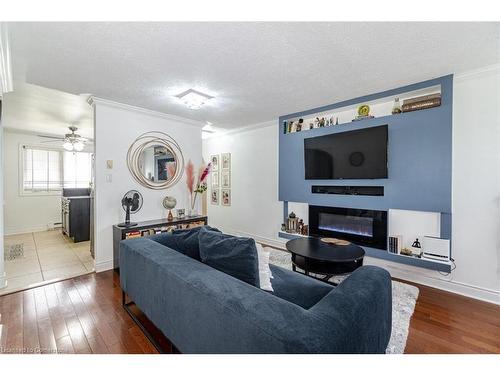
(314, 248)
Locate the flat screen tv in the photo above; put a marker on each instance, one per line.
(356, 154)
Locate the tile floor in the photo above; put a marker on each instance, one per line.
(47, 256)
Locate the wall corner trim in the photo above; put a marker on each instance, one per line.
(93, 100)
(6, 80)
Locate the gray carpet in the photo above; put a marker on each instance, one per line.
(404, 297)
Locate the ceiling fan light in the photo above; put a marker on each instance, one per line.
(68, 146)
(78, 146)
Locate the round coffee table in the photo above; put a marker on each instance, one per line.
(315, 256)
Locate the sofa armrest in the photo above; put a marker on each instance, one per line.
(362, 305)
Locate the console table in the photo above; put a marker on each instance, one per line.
(147, 228)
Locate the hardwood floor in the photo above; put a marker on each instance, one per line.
(84, 315)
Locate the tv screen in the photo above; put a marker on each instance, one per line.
(356, 154)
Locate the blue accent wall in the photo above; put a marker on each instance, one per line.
(419, 158)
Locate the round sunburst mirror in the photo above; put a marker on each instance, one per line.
(155, 160)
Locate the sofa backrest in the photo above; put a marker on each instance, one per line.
(202, 310)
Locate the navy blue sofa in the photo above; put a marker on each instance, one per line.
(203, 310)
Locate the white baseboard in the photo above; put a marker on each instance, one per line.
(405, 272)
(103, 266)
(24, 230)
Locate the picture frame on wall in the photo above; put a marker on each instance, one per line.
(214, 197)
(225, 179)
(214, 159)
(226, 161)
(215, 180)
(226, 197)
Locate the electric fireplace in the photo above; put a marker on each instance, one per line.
(362, 227)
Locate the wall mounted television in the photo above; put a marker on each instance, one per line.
(355, 154)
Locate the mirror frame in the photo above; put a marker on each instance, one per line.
(146, 140)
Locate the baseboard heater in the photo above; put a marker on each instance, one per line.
(348, 190)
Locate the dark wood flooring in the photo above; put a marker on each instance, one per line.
(84, 315)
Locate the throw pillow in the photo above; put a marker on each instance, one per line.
(264, 271)
(184, 241)
(236, 256)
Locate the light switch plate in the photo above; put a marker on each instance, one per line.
(109, 178)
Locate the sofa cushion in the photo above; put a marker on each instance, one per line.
(296, 288)
(235, 256)
(184, 241)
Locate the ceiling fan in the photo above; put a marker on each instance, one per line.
(71, 141)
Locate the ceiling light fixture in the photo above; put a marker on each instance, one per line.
(208, 127)
(194, 99)
(68, 146)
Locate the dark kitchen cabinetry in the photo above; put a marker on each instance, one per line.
(76, 214)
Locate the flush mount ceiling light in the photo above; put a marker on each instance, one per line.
(194, 99)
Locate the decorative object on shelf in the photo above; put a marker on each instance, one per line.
(405, 251)
(214, 159)
(131, 203)
(299, 124)
(283, 227)
(363, 113)
(422, 102)
(214, 197)
(395, 244)
(337, 121)
(335, 241)
(201, 183)
(364, 110)
(226, 197)
(226, 160)
(225, 179)
(181, 213)
(285, 127)
(311, 125)
(396, 108)
(155, 160)
(305, 230)
(169, 203)
(416, 247)
(292, 223)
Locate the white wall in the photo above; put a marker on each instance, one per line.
(476, 189)
(116, 127)
(254, 209)
(25, 213)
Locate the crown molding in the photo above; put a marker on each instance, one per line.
(6, 82)
(93, 100)
(489, 69)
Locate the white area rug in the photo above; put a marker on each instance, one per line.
(404, 297)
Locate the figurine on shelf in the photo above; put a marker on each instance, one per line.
(293, 127)
(299, 124)
(396, 108)
(300, 226)
(311, 125)
(305, 230)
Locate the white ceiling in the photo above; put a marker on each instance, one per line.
(31, 108)
(256, 71)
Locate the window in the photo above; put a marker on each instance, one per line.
(47, 171)
(77, 169)
(41, 170)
